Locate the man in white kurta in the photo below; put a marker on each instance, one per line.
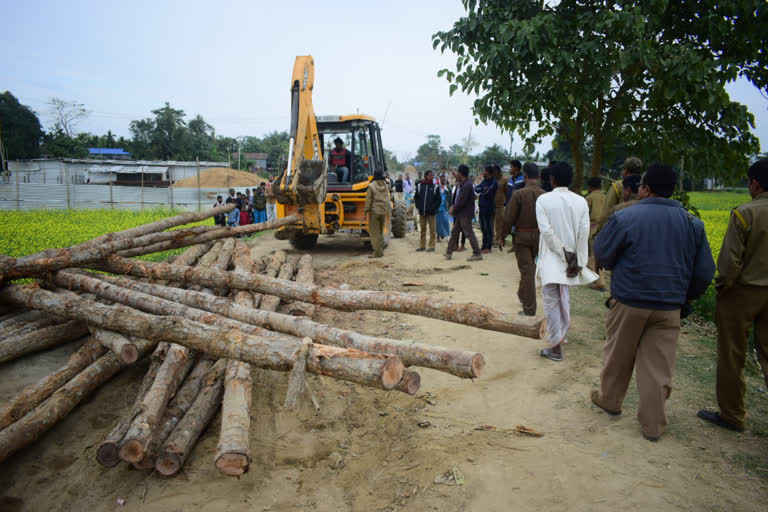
(563, 219)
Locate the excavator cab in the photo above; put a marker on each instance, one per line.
(330, 197)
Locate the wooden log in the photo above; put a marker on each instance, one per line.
(461, 363)
(466, 313)
(167, 381)
(272, 269)
(35, 394)
(42, 339)
(376, 370)
(123, 348)
(241, 259)
(18, 320)
(410, 383)
(176, 409)
(272, 302)
(233, 453)
(212, 235)
(108, 452)
(179, 444)
(39, 420)
(305, 274)
(9, 313)
(298, 376)
(22, 328)
(189, 258)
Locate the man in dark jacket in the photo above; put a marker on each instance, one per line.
(463, 210)
(661, 260)
(486, 192)
(427, 200)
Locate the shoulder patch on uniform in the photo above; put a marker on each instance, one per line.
(740, 217)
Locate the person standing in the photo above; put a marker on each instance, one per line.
(742, 300)
(269, 194)
(399, 187)
(630, 195)
(427, 199)
(376, 211)
(233, 217)
(486, 192)
(563, 220)
(520, 213)
(221, 219)
(516, 179)
(259, 205)
(500, 202)
(632, 165)
(462, 211)
(596, 204)
(660, 260)
(442, 220)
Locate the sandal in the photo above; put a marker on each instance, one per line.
(547, 352)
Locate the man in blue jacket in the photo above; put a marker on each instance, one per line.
(486, 192)
(661, 260)
(427, 200)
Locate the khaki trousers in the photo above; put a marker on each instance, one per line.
(738, 308)
(424, 222)
(646, 340)
(591, 263)
(526, 248)
(376, 231)
(498, 221)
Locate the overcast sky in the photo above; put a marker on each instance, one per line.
(231, 62)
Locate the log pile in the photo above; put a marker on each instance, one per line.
(204, 321)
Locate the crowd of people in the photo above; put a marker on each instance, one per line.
(254, 205)
(657, 252)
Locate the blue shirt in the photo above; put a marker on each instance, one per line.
(659, 255)
(486, 192)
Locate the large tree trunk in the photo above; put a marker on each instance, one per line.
(35, 394)
(461, 363)
(211, 235)
(188, 258)
(42, 418)
(374, 370)
(177, 407)
(466, 313)
(120, 345)
(168, 379)
(182, 440)
(108, 453)
(241, 259)
(305, 274)
(233, 453)
(42, 339)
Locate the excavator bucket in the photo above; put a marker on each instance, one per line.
(312, 181)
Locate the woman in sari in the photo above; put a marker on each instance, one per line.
(443, 226)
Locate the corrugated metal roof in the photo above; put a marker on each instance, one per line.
(105, 168)
(108, 151)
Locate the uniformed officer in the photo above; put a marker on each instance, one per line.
(596, 203)
(376, 211)
(742, 300)
(632, 165)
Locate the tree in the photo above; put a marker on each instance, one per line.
(492, 155)
(620, 70)
(64, 115)
(431, 152)
(169, 130)
(391, 163)
(19, 128)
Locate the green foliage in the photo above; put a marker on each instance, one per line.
(19, 128)
(683, 198)
(649, 73)
(492, 155)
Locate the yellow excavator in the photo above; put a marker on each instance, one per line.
(329, 191)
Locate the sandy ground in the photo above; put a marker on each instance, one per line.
(364, 450)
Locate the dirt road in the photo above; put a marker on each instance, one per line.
(365, 449)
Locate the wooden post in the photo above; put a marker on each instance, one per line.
(199, 206)
(18, 201)
(142, 187)
(111, 201)
(66, 178)
(170, 180)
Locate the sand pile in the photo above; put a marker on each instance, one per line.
(222, 177)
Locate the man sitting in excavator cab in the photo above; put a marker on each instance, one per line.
(340, 160)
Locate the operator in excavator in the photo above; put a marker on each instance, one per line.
(340, 160)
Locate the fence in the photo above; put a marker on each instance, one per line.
(17, 193)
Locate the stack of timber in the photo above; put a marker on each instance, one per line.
(205, 320)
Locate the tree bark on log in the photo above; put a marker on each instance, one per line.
(167, 381)
(108, 453)
(19, 320)
(375, 370)
(461, 363)
(177, 407)
(410, 383)
(22, 328)
(35, 394)
(120, 345)
(188, 258)
(272, 269)
(42, 339)
(233, 453)
(182, 440)
(272, 302)
(212, 235)
(241, 259)
(305, 274)
(39, 420)
(298, 376)
(466, 313)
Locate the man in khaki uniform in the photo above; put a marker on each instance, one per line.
(596, 203)
(632, 165)
(376, 211)
(742, 300)
(500, 202)
(630, 194)
(520, 212)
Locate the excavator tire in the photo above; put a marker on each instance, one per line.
(399, 226)
(304, 242)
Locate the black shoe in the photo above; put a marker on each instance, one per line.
(420, 250)
(549, 354)
(594, 397)
(714, 418)
(430, 250)
(652, 439)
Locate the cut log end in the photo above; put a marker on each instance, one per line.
(132, 451)
(410, 383)
(478, 364)
(392, 373)
(232, 464)
(108, 455)
(168, 464)
(129, 354)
